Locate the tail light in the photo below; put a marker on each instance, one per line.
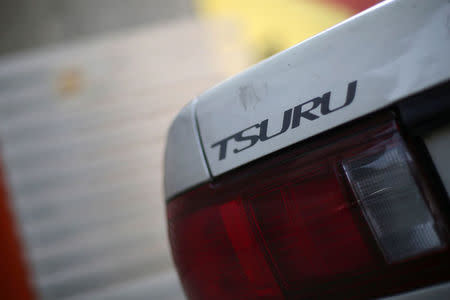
(347, 215)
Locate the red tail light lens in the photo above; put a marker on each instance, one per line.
(346, 216)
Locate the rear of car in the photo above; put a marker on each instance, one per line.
(322, 172)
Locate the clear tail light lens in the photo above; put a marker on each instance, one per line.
(346, 216)
(392, 202)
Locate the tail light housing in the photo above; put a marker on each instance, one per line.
(346, 215)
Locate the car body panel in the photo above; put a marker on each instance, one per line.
(391, 51)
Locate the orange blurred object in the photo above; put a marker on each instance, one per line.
(14, 277)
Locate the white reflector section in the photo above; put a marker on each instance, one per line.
(392, 203)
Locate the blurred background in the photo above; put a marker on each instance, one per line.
(87, 92)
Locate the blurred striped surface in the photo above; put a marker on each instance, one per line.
(82, 134)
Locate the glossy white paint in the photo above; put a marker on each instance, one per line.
(392, 50)
(184, 162)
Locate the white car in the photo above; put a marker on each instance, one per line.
(324, 171)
